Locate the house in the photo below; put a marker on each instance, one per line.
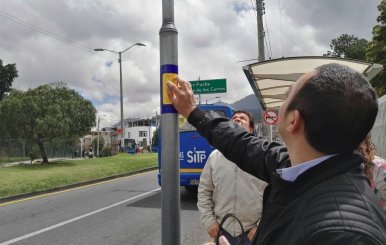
(109, 135)
(139, 130)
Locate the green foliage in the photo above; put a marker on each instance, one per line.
(106, 151)
(33, 154)
(8, 73)
(51, 111)
(154, 140)
(348, 46)
(95, 143)
(376, 51)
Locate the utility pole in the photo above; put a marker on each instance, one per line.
(149, 127)
(199, 95)
(98, 137)
(260, 10)
(170, 147)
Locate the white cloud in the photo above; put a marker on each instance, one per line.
(213, 36)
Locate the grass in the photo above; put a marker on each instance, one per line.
(30, 178)
(12, 159)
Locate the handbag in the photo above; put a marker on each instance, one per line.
(222, 223)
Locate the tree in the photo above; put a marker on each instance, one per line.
(95, 143)
(154, 139)
(376, 51)
(348, 46)
(8, 73)
(51, 111)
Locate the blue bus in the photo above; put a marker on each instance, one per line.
(194, 149)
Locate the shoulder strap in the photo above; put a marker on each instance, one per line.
(222, 223)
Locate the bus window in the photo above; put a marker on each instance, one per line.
(184, 125)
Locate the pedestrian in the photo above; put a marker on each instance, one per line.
(240, 193)
(90, 153)
(317, 192)
(375, 170)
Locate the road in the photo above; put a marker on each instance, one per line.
(121, 211)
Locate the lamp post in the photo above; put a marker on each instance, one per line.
(99, 119)
(120, 81)
(98, 137)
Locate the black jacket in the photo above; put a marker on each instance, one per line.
(331, 203)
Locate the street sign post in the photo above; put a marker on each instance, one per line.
(270, 118)
(212, 86)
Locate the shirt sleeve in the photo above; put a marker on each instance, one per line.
(205, 202)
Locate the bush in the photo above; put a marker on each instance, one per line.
(106, 151)
(34, 154)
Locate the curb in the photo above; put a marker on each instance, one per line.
(60, 188)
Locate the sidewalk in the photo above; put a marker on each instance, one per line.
(36, 161)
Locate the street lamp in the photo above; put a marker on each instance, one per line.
(120, 80)
(217, 97)
(99, 119)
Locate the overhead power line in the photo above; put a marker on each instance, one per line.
(38, 29)
(48, 33)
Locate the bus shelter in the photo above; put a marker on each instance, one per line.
(271, 79)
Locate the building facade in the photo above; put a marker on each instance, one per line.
(140, 130)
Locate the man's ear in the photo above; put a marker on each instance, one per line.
(295, 121)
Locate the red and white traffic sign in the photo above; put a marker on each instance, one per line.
(270, 117)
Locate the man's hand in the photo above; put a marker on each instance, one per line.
(251, 233)
(213, 229)
(223, 241)
(181, 96)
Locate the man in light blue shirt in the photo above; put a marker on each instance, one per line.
(317, 192)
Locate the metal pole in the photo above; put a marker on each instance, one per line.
(121, 91)
(98, 138)
(149, 127)
(260, 29)
(81, 148)
(170, 176)
(199, 95)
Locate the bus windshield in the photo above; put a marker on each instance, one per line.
(184, 125)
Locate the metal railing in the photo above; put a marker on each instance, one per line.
(21, 150)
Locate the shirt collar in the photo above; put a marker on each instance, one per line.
(291, 173)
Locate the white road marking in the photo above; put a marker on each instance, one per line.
(76, 218)
(71, 189)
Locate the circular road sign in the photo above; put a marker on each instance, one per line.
(270, 117)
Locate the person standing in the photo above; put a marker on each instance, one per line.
(317, 192)
(375, 170)
(224, 188)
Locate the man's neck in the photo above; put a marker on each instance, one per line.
(300, 153)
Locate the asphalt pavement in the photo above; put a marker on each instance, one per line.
(120, 211)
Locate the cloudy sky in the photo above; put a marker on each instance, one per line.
(53, 40)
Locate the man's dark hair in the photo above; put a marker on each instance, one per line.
(251, 122)
(338, 106)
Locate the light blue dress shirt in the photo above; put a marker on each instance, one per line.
(291, 173)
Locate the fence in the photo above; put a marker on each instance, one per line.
(20, 150)
(378, 133)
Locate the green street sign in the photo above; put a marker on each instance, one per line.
(213, 86)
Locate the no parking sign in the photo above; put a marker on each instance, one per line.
(270, 117)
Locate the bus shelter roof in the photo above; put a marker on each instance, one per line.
(271, 79)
